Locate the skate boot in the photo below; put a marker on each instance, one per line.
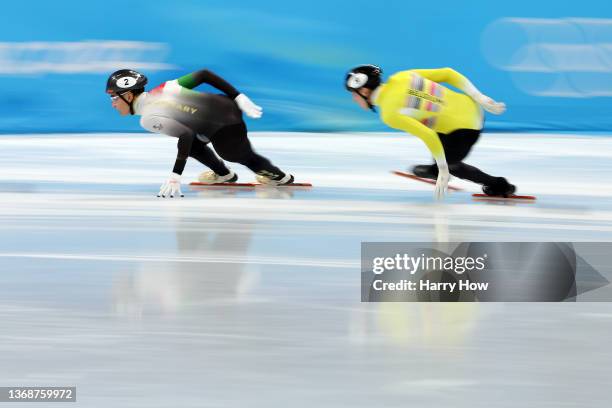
(210, 177)
(426, 171)
(500, 188)
(270, 180)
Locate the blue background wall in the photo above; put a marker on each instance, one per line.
(551, 66)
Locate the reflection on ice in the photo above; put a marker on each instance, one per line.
(251, 297)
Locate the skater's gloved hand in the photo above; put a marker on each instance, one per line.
(488, 104)
(172, 187)
(248, 107)
(442, 182)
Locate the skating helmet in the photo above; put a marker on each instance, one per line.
(363, 76)
(126, 80)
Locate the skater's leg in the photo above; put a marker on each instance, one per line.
(233, 145)
(429, 171)
(458, 169)
(457, 146)
(471, 173)
(204, 154)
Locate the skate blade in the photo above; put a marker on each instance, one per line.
(198, 184)
(481, 196)
(424, 180)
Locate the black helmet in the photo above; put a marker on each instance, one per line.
(363, 76)
(126, 80)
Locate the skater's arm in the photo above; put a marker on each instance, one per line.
(454, 78)
(433, 143)
(410, 125)
(205, 76)
(185, 141)
(165, 125)
(449, 76)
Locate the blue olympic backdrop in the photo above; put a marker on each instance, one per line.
(550, 61)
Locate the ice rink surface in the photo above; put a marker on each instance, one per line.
(250, 297)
